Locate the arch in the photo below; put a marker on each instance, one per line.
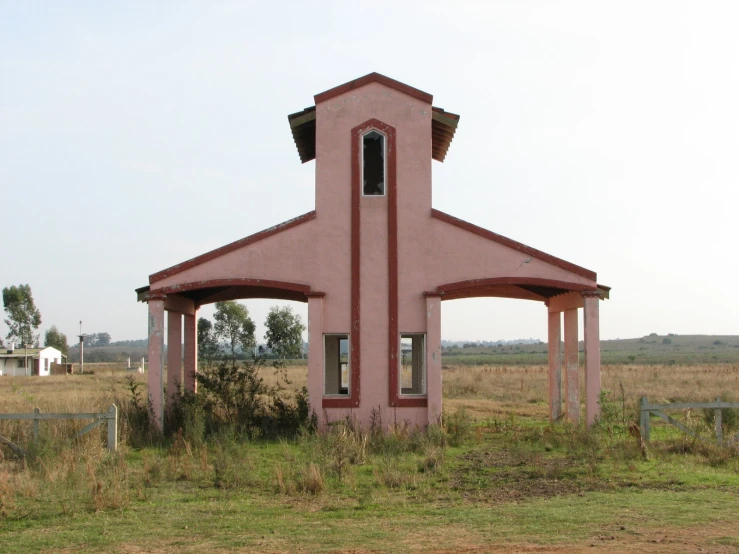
(218, 290)
(524, 288)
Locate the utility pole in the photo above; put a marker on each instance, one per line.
(82, 349)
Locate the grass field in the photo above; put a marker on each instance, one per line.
(650, 350)
(497, 478)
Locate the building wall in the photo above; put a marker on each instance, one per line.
(411, 119)
(10, 366)
(44, 359)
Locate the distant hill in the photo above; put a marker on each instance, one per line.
(650, 349)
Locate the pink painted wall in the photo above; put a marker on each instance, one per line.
(318, 253)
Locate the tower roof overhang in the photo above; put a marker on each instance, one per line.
(303, 123)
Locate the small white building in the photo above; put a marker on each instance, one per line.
(29, 361)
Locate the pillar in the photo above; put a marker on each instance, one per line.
(156, 358)
(315, 354)
(555, 365)
(174, 355)
(191, 352)
(433, 357)
(592, 356)
(572, 384)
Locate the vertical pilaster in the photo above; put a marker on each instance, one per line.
(156, 358)
(191, 352)
(592, 356)
(572, 385)
(315, 354)
(433, 357)
(174, 355)
(555, 365)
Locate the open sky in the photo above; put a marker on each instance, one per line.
(135, 135)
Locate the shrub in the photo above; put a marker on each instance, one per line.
(231, 468)
(234, 396)
(310, 480)
(458, 427)
(135, 417)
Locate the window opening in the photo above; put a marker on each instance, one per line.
(412, 363)
(373, 169)
(336, 364)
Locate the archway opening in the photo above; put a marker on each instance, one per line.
(495, 358)
(293, 364)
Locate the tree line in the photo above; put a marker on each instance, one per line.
(233, 335)
(23, 319)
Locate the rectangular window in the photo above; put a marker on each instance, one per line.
(373, 164)
(336, 376)
(412, 363)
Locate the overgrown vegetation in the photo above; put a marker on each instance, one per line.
(235, 397)
(244, 454)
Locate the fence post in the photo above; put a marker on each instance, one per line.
(644, 417)
(719, 424)
(36, 411)
(113, 428)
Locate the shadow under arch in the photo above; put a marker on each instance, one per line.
(219, 290)
(523, 288)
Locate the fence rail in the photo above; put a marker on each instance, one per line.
(646, 410)
(110, 417)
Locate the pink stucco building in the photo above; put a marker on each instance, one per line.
(374, 261)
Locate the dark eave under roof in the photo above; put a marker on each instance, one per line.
(303, 124)
(303, 127)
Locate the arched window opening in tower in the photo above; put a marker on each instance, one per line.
(373, 167)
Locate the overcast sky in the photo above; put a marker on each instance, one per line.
(135, 135)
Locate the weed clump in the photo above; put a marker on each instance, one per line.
(234, 396)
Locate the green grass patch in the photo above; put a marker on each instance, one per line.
(512, 482)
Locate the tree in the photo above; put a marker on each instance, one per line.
(102, 339)
(56, 339)
(208, 347)
(23, 316)
(284, 332)
(235, 327)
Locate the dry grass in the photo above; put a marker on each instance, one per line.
(495, 391)
(331, 477)
(485, 391)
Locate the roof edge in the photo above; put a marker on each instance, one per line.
(373, 78)
(510, 243)
(261, 235)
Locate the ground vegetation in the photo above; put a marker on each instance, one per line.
(493, 475)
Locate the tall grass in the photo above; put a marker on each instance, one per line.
(64, 476)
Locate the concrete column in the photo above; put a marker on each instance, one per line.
(156, 358)
(191, 352)
(174, 355)
(572, 385)
(555, 365)
(315, 355)
(592, 356)
(433, 357)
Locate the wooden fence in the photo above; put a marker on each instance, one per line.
(646, 409)
(110, 417)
